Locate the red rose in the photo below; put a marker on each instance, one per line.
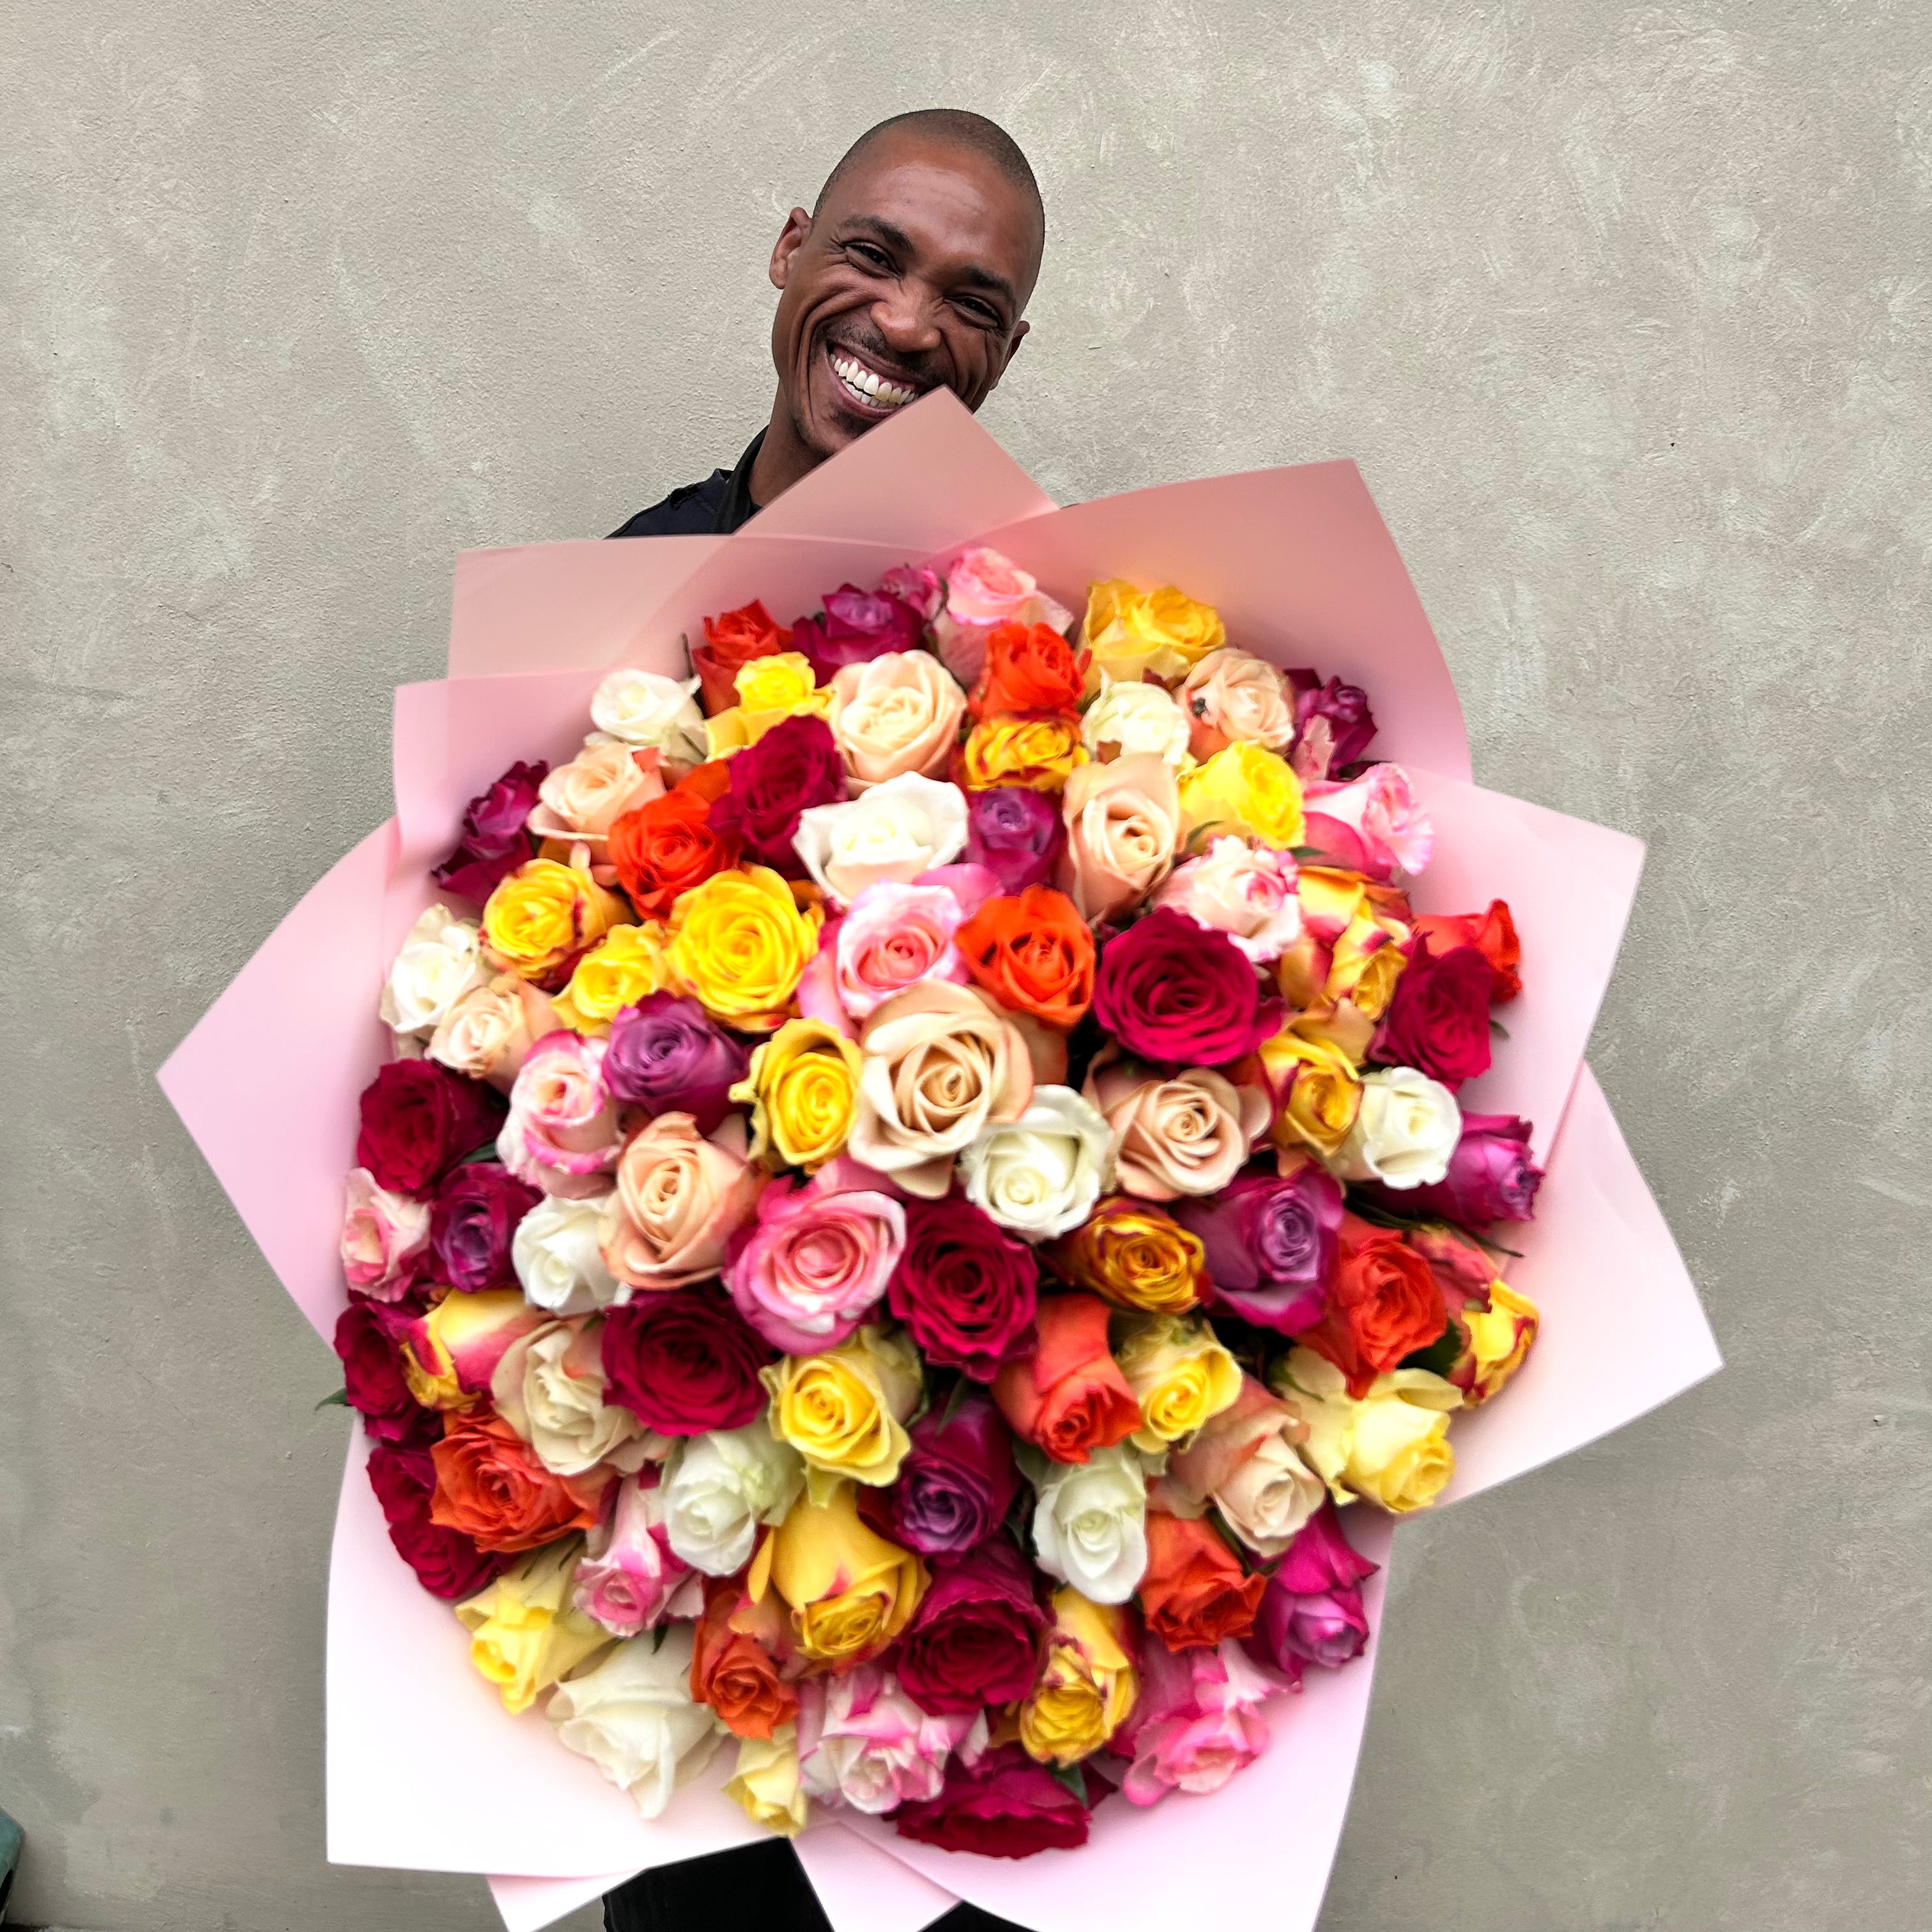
(367, 1335)
(684, 1362)
(1170, 990)
(734, 640)
(1006, 1807)
(858, 626)
(448, 1564)
(1439, 1021)
(494, 843)
(419, 1120)
(1383, 1304)
(794, 765)
(476, 1212)
(973, 1642)
(965, 1288)
(665, 848)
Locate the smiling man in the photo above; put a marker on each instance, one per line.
(912, 272)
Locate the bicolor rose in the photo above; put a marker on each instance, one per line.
(863, 1743)
(1373, 825)
(382, 1233)
(1248, 891)
(1196, 1723)
(631, 1579)
(893, 935)
(549, 1386)
(561, 1134)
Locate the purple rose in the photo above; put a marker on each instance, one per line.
(858, 625)
(1271, 1245)
(1348, 725)
(1492, 1177)
(1016, 833)
(1312, 1610)
(668, 1054)
(494, 843)
(955, 1486)
(795, 764)
(476, 1212)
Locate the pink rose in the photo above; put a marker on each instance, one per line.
(1248, 892)
(630, 1580)
(893, 935)
(809, 1269)
(1186, 1133)
(984, 590)
(382, 1233)
(862, 1742)
(1194, 1725)
(561, 1134)
(1311, 1611)
(1371, 825)
(916, 585)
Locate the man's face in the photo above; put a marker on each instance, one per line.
(912, 274)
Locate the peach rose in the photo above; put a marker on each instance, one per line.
(1232, 698)
(678, 1200)
(1123, 824)
(580, 801)
(940, 1061)
(487, 1034)
(900, 712)
(1188, 1135)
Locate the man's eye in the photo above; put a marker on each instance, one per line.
(980, 312)
(872, 257)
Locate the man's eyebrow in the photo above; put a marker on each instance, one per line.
(894, 236)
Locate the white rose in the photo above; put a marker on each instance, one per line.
(548, 1386)
(644, 707)
(633, 1717)
(1040, 1175)
(1404, 1133)
(896, 830)
(438, 963)
(1090, 1521)
(555, 1253)
(718, 1488)
(1135, 717)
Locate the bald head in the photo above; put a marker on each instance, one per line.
(953, 126)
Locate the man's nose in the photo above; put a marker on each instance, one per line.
(906, 320)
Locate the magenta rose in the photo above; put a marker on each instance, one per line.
(666, 1055)
(1171, 990)
(367, 1335)
(920, 588)
(1312, 1610)
(419, 1120)
(957, 1482)
(448, 1564)
(857, 626)
(1492, 1177)
(1271, 1245)
(1004, 1806)
(494, 843)
(476, 1212)
(1333, 725)
(965, 1288)
(794, 765)
(684, 1362)
(973, 1641)
(1016, 833)
(1438, 1021)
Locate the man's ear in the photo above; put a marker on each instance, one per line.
(791, 238)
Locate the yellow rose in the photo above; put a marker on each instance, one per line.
(803, 1087)
(766, 1783)
(540, 918)
(448, 1356)
(1181, 1376)
(1391, 1447)
(770, 689)
(1500, 1336)
(1086, 1683)
(1036, 752)
(1367, 962)
(844, 1410)
(1244, 788)
(625, 966)
(740, 942)
(525, 1633)
(1135, 1256)
(1324, 1094)
(850, 1592)
(1132, 632)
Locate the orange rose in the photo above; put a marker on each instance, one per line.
(1194, 1592)
(733, 1667)
(734, 639)
(1036, 752)
(666, 847)
(491, 1486)
(1068, 1397)
(1033, 953)
(1383, 1304)
(1492, 933)
(1135, 1255)
(1029, 667)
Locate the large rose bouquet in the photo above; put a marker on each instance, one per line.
(920, 1186)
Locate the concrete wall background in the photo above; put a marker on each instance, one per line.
(1625, 313)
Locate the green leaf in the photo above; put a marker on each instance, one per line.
(1497, 1027)
(339, 1399)
(955, 1396)
(1304, 851)
(476, 1156)
(1072, 1776)
(1439, 1358)
(657, 1636)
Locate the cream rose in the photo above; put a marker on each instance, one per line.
(898, 712)
(1245, 1461)
(555, 1253)
(646, 710)
(1190, 1134)
(1040, 1175)
(1128, 718)
(1405, 1132)
(1090, 1521)
(488, 1033)
(896, 830)
(580, 801)
(439, 961)
(678, 1199)
(719, 1489)
(940, 1061)
(1231, 698)
(548, 1386)
(1123, 825)
(1248, 892)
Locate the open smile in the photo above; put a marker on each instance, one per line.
(868, 392)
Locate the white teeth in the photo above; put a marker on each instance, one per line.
(868, 386)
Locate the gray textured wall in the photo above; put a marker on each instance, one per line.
(1624, 313)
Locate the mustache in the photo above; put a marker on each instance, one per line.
(921, 365)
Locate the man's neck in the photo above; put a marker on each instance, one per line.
(782, 458)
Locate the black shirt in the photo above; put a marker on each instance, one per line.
(716, 507)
